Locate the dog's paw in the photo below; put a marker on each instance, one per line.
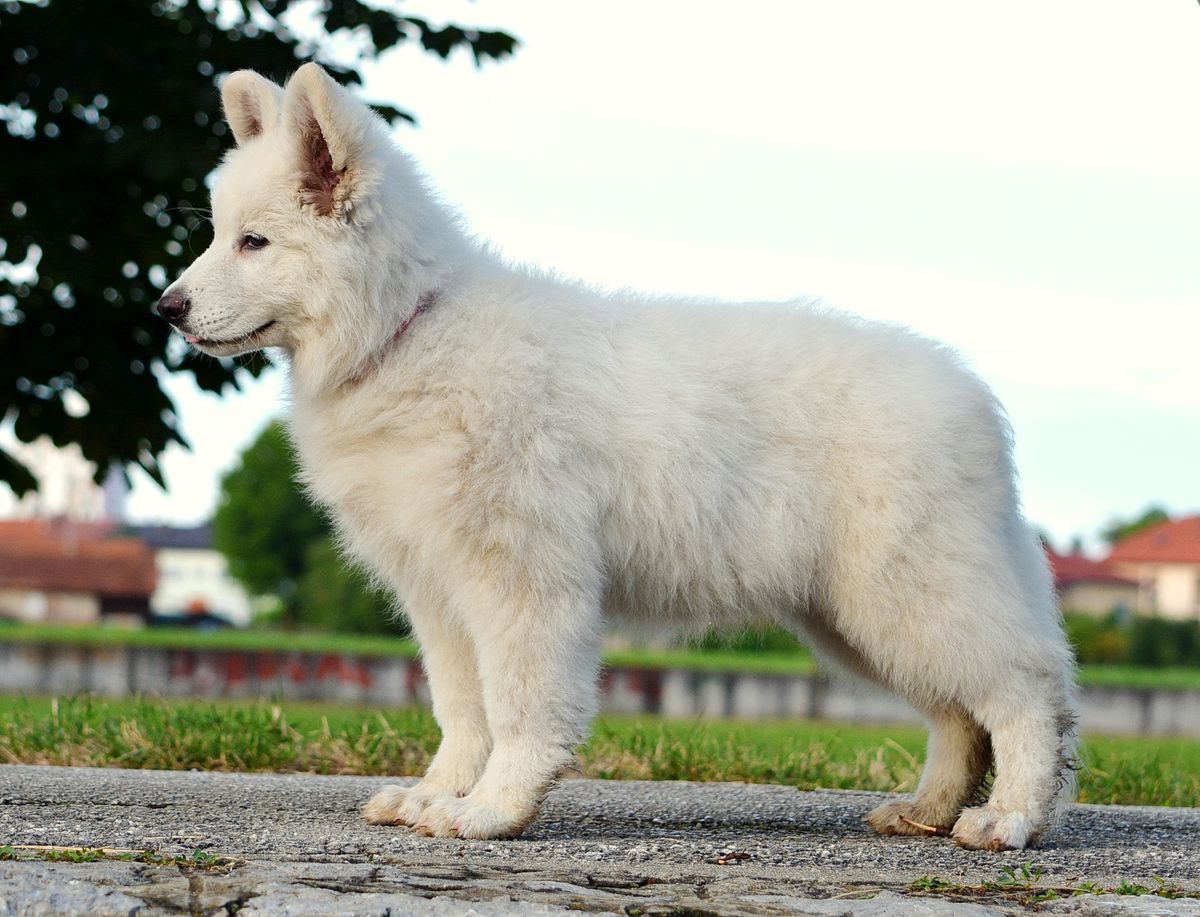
(984, 828)
(398, 805)
(909, 818)
(470, 819)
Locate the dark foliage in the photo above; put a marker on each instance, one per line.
(1123, 528)
(332, 596)
(1124, 639)
(263, 525)
(1159, 642)
(112, 122)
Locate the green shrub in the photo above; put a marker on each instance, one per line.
(1160, 642)
(1109, 647)
(1102, 640)
(751, 640)
(1133, 640)
(1113, 639)
(333, 596)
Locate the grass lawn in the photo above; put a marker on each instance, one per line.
(329, 739)
(766, 662)
(1132, 676)
(188, 639)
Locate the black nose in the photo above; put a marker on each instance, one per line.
(173, 305)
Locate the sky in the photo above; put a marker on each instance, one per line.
(1018, 180)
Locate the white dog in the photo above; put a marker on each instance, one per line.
(519, 458)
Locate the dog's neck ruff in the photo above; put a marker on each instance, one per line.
(424, 303)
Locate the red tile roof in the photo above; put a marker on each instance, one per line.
(1070, 569)
(1173, 541)
(54, 556)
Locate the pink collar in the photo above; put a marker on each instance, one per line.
(424, 304)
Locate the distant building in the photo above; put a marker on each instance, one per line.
(66, 485)
(1164, 560)
(193, 577)
(1091, 586)
(64, 572)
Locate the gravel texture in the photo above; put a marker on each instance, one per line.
(298, 847)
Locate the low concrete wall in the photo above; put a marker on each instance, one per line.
(29, 668)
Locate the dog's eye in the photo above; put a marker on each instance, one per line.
(250, 240)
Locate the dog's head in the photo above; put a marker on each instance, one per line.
(289, 205)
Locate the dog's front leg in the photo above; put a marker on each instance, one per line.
(448, 656)
(538, 656)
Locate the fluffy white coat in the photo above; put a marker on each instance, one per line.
(527, 458)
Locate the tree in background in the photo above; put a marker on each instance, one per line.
(332, 596)
(113, 121)
(263, 525)
(1118, 529)
(277, 544)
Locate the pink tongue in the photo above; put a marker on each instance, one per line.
(191, 338)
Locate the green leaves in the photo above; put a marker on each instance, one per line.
(16, 475)
(263, 524)
(111, 122)
(484, 45)
(335, 597)
(1119, 528)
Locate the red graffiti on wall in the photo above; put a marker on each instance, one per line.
(346, 670)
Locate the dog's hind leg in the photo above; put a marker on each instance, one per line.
(538, 656)
(958, 753)
(448, 657)
(972, 627)
(1022, 711)
(1025, 700)
(1023, 705)
(957, 760)
(1032, 726)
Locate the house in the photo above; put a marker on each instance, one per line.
(1091, 586)
(193, 577)
(1164, 560)
(65, 572)
(66, 486)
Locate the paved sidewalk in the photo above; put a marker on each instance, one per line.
(297, 847)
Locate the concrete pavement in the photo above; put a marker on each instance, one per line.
(297, 847)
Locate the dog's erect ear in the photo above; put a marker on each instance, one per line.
(251, 103)
(332, 131)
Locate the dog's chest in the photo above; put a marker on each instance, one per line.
(384, 476)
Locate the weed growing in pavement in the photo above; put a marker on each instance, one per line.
(1024, 885)
(196, 860)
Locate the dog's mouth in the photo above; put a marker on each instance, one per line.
(241, 341)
